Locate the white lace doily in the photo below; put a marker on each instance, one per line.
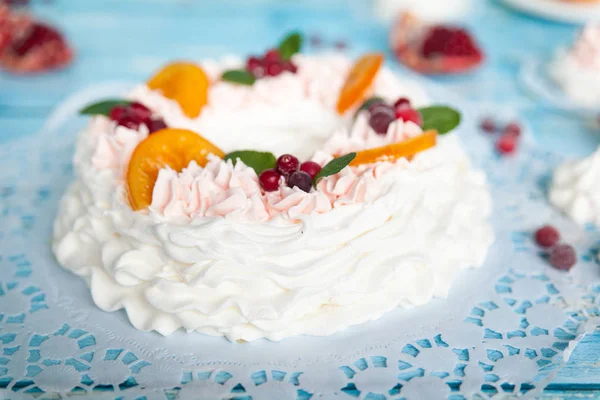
(506, 328)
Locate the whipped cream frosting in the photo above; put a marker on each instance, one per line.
(215, 255)
(577, 70)
(575, 190)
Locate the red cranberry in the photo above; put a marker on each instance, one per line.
(273, 55)
(409, 114)
(253, 63)
(547, 236)
(287, 164)
(117, 112)
(507, 144)
(155, 125)
(140, 112)
(512, 129)
(301, 180)
(563, 257)
(488, 125)
(381, 118)
(375, 104)
(128, 122)
(311, 168)
(290, 66)
(269, 180)
(37, 35)
(274, 69)
(401, 103)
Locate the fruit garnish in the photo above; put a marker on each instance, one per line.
(104, 107)
(311, 168)
(184, 82)
(269, 180)
(334, 166)
(287, 164)
(359, 81)
(174, 148)
(301, 180)
(395, 151)
(259, 161)
(434, 49)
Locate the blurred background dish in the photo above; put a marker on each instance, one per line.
(573, 11)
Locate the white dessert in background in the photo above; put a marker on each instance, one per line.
(215, 255)
(577, 70)
(575, 189)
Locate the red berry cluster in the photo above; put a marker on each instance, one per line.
(294, 173)
(448, 41)
(381, 114)
(509, 140)
(271, 64)
(135, 114)
(562, 256)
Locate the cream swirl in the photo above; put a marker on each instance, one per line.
(577, 70)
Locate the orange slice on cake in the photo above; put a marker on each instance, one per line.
(184, 82)
(359, 81)
(174, 148)
(394, 151)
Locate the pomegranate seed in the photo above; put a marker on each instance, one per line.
(140, 112)
(301, 180)
(311, 168)
(117, 112)
(269, 180)
(287, 164)
(488, 125)
(512, 129)
(410, 114)
(506, 145)
(273, 55)
(446, 41)
(563, 257)
(155, 125)
(252, 64)
(128, 122)
(547, 236)
(381, 118)
(401, 103)
(37, 35)
(274, 69)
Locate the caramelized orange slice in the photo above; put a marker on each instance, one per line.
(395, 151)
(169, 147)
(359, 80)
(184, 82)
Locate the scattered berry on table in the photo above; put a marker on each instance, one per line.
(547, 236)
(488, 125)
(316, 41)
(287, 164)
(340, 45)
(512, 129)
(311, 168)
(563, 257)
(507, 144)
(301, 180)
(269, 180)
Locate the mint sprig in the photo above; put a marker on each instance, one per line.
(103, 107)
(333, 167)
(441, 118)
(239, 76)
(257, 160)
(290, 45)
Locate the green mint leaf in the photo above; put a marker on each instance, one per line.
(103, 107)
(257, 160)
(334, 166)
(290, 45)
(240, 76)
(370, 101)
(441, 118)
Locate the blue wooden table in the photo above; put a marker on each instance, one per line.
(118, 40)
